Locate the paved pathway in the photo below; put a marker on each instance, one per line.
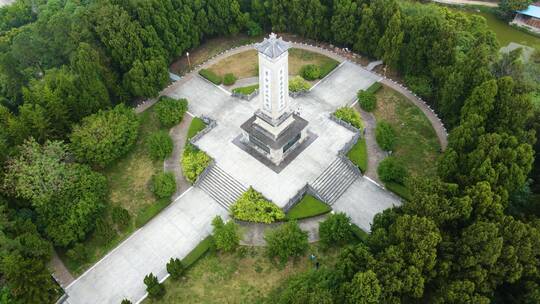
(172, 233)
(431, 116)
(60, 272)
(253, 233)
(468, 2)
(375, 153)
(178, 134)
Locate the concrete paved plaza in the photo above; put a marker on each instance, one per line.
(173, 233)
(336, 90)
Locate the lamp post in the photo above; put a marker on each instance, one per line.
(189, 62)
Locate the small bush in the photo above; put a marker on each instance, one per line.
(170, 111)
(153, 287)
(298, 84)
(286, 241)
(211, 76)
(225, 235)
(367, 100)
(193, 162)
(349, 115)
(336, 229)
(163, 184)
(246, 90)
(78, 253)
(392, 170)
(120, 217)
(229, 79)
(385, 136)
(126, 301)
(175, 268)
(159, 145)
(310, 72)
(254, 207)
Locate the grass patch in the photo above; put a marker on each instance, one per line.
(195, 127)
(416, 145)
(359, 155)
(246, 90)
(148, 212)
(244, 276)
(198, 252)
(399, 189)
(359, 233)
(308, 206)
(245, 64)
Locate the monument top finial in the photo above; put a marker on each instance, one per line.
(272, 46)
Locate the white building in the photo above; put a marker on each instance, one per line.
(274, 131)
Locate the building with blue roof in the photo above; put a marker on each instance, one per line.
(529, 17)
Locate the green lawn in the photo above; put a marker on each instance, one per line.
(504, 32)
(417, 145)
(245, 276)
(358, 154)
(195, 127)
(307, 207)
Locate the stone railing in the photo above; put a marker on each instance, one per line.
(342, 153)
(344, 124)
(244, 96)
(210, 124)
(204, 173)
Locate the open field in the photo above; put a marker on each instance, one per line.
(244, 65)
(417, 145)
(245, 276)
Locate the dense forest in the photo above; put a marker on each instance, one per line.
(472, 235)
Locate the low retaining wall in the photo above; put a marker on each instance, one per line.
(298, 94)
(210, 124)
(246, 97)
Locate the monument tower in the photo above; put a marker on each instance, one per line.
(274, 131)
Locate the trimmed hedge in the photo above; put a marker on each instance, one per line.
(327, 67)
(246, 90)
(210, 76)
(149, 211)
(252, 206)
(171, 111)
(385, 136)
(159, 145)
(229, 79)
(199, 251)
(350, 116)
(374, 88)
(298, 84)
(367, 100)
(308, 206)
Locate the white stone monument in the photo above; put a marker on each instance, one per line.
(274, 130)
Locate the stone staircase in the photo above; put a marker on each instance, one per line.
(335, 180)
(220, 186)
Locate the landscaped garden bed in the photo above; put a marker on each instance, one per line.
(194, 160)
(252, 206)
(358, 154)
(308, 206)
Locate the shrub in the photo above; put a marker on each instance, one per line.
(385, 136)
(419, 85)
(163, 184)
(160, 145)
(392, 170)
(153, 287)
(349, 115)
(170, 111)
(175, 268)
(126, 301)
(254, 207)
(367, 100)
(298, 84)
(120, 217)
(246, 90)
(286, 241)
(310, 72)
(229, 79)
(193, 162)
(211, 76)
(78, 253)
(225, 235)
(336, 229)
(105, 136)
